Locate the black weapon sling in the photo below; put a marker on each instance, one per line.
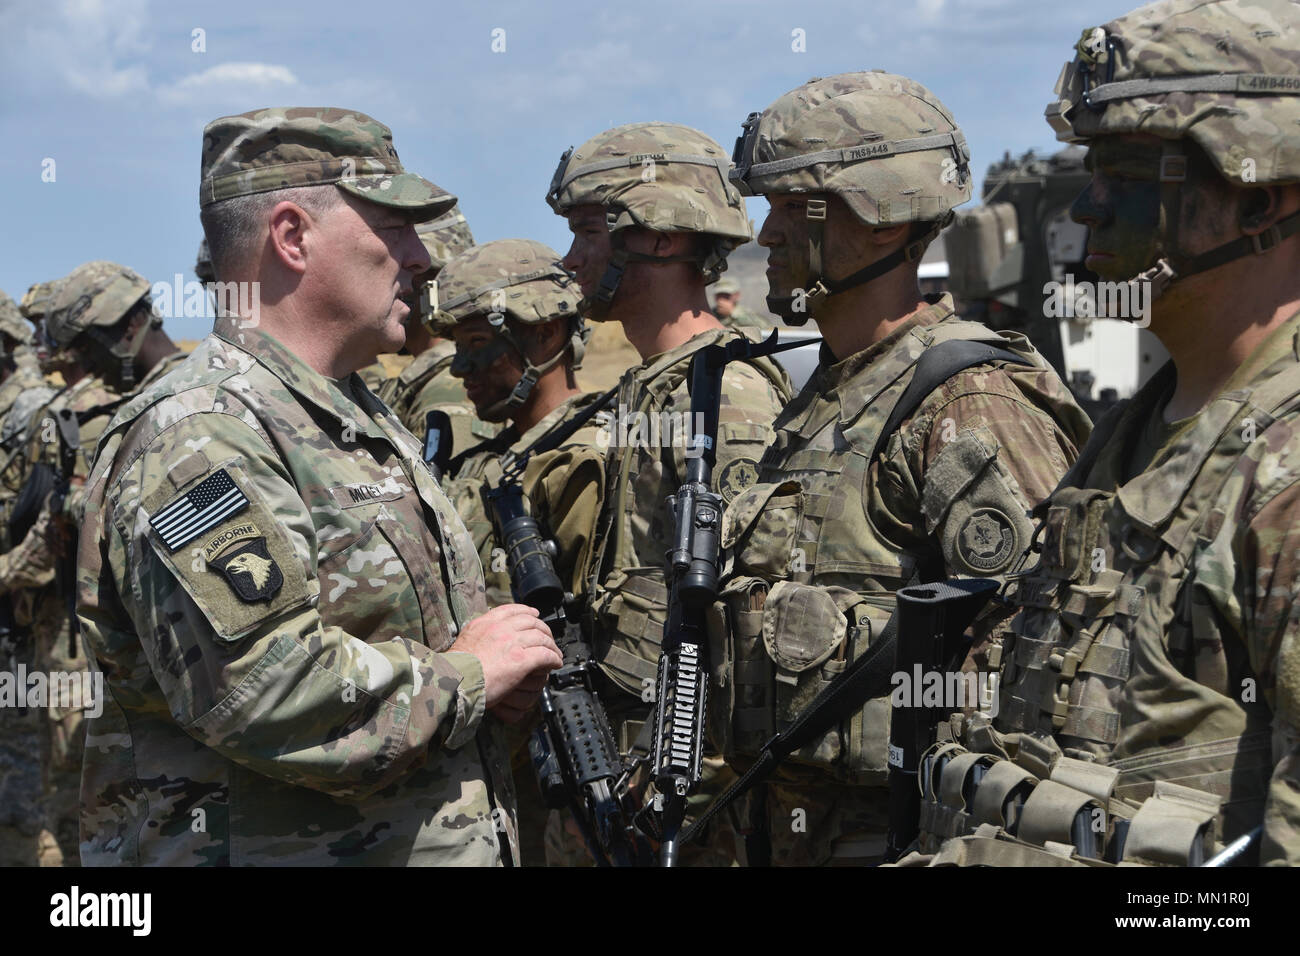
(868, 676)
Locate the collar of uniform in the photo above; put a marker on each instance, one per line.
(834, 374)
(655, 365)
(424, 363)
(302, 379)
(159, 370)
(1152, 497)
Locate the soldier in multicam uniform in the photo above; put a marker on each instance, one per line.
(426, 384)
(19, 772)
(727, 307)
(513, 313)
(1151, 685)
(862, 171)
(281, 600)
(100, 317)
(654, 219)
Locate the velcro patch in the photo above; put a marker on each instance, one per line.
(214, 500)
(739, 475)
(986, 542)
(364, 493)
(251, 571)
(225, 539)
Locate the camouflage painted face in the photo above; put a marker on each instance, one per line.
(882, 143)
(1224, 73)
(279, 148)
(1121, 207)
(94, 293)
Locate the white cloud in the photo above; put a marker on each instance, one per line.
(96, 47)
(227, 79)
(930, 9)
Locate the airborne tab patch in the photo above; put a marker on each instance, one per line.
(251, 571)
(214, 500)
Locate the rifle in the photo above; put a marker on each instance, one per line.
(932, 622)
(573, 750)
(692, 577)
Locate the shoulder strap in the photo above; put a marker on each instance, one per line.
(935, 366)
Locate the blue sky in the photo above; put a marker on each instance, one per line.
(117, 96)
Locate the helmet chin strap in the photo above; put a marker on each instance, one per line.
(125, 350)
(1171, 264)
(596, 307)
(819, 288)
(528, 381)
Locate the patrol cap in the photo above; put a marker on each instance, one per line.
(11, 321)
(94, 293)
(284, 147)
(726, 287)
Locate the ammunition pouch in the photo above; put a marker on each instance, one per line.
(1043, 808)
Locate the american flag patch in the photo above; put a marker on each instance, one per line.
(215, 499)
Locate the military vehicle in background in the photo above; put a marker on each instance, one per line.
(1004, 256)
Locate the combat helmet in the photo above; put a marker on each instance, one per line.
(11, 321)
(1224, 74)
(661, 176)
(93, 297)
(515, 279)
(443, 238)
(883, 143)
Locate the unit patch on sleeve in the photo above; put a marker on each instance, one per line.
(249, 569)
(987, 540)
(737, 476)
(211, 502)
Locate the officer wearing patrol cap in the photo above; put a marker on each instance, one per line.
(654, 218)
(1151, 684)
(512, 310)
(870, 482)
(285, 607)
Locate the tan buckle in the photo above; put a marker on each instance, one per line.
(816, 209)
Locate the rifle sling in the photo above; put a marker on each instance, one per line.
(869, 676)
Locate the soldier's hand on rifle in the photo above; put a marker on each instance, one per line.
(517, 652)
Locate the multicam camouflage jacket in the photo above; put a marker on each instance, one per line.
(564, 488)
(427, 385)
(646, 462)
(817, 548)
(270, 581)
(1159, 637)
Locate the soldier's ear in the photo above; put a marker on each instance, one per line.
(287, 228)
